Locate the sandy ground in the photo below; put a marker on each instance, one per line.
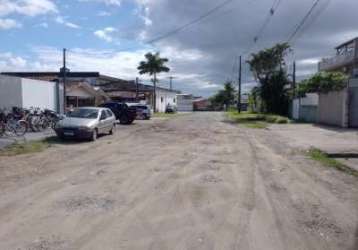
(193, 182)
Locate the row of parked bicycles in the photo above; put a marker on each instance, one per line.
(18, 121)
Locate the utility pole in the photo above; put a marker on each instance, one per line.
(239, 88)
(171, 82)
(64, 71)
(137, 88)
(294, 77)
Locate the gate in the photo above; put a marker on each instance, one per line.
(353, 107)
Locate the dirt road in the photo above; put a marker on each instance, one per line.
(192, 182)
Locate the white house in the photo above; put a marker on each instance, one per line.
(26, 93)
(164, 98)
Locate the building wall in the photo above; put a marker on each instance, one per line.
(305, 109)
(332, 108)
(164, 98)
(39, 94)
(185, 103)
(10, 92)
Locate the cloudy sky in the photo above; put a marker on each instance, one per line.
(111, 36)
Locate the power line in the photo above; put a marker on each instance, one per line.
(303, 21)
(262, 28)
(196, 20)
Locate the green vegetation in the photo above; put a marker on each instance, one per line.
(271, 96)
(24, 148)
(323, 158)
(253, 120)
(153, 65)
(322, 82)
(224, 97)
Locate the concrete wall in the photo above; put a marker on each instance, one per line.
(10, 92)
(333, 108)
(39, 94)
(164, 98)
(185, 103)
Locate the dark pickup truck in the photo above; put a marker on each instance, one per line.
(125, 114)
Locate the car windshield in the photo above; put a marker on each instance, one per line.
(84, 113)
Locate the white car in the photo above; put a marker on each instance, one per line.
(86, 123)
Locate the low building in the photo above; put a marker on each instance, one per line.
(185, 102)
(83, 94)
(340, 108)
(202, 104)
(27, 93)
(345, 60)
(114, 88)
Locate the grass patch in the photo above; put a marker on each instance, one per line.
(24, 148)
(323, 158)
(253, 120)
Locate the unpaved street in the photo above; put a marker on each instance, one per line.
(192, 182)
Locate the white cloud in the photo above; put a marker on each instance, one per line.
(27, 7)
(43, 25)
(10, 62)
(107, 2)
(6, 24)
(62, 20)
(106, 34)
(104, 13)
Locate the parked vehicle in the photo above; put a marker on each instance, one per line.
(86, 123)
(125, 114)
(170, 109)
(143, 111)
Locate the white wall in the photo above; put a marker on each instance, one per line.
(39, 94)
(164, 98)
(310, 100)
(185, 103)
(10, 92)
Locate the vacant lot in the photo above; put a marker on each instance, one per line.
(190, 182)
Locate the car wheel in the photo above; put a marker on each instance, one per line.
(124, 120)
(94, 135)
(111, 131)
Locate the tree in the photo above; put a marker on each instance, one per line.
(224, 97)
(268, 67)
(323, 82)
(153, 65)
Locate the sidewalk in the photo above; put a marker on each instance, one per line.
(331, 140)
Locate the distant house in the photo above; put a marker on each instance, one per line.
(202, 104)
(89, 88)
(82, 94)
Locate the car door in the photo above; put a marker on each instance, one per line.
(102, 122)
(109, 120)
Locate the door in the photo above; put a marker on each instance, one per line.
(353, 107)
(102, 127)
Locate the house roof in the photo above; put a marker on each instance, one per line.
(52, 74)
(345, 43)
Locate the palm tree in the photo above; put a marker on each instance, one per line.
(153, 66)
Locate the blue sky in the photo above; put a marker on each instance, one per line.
(110, 36)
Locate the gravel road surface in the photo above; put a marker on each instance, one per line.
(192, 182)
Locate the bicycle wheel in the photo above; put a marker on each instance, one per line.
(21, 128)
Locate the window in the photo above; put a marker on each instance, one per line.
(103, 115)
(174, 100)
(161, 99)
